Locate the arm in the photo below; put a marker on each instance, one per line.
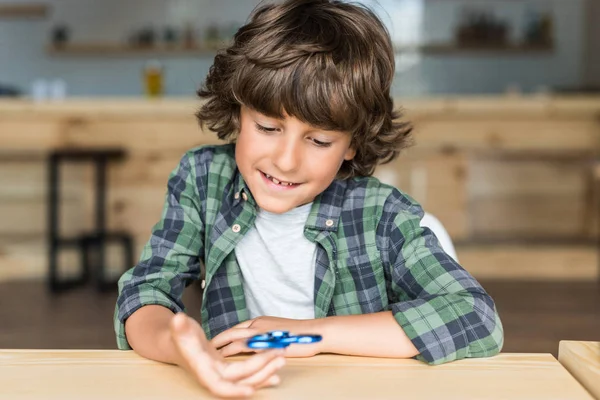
(371, 335)
(442, 309)
(150, 294)
(148, 332)
(438, 311)
(157, 334)
(169, 262)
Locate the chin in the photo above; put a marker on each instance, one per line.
(275, 208)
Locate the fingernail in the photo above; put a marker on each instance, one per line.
(275, 380)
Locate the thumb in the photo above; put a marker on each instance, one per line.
(186, 330)
(183, 325)
(180, 323)
(189, 336)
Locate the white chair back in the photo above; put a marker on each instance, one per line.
(438, 229)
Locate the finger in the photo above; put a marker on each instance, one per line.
(191, 343)
(231, 335)
(235, 371)
(244, 324)
(200, 364)
(182, 323)
(230, 389)
(186, 332)
(274, 380)
(265, 377)
(235, 348)
(190, 346)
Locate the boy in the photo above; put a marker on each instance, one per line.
(292, 231)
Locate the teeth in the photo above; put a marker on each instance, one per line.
(278, 182)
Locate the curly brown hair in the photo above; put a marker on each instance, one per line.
(328, 63)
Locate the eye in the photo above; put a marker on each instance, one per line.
(265, 129)
(319, 143)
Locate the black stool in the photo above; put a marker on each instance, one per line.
(96, 240)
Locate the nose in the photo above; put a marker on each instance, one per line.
(287, 156)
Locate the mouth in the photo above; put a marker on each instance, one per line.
(279, 182)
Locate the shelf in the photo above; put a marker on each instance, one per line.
(23, 10)
(116, 50)
(455, 49)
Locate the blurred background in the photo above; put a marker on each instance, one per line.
(96, 108)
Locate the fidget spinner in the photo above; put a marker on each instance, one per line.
(280, 340)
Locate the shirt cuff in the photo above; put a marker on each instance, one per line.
(135, 302)
(438, 336)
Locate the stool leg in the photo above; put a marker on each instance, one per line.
(597, 202)
(107, 284)
(100, 221)
(53, 211)
(129, 258)
(84, 249)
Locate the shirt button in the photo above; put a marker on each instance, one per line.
(237, 196)
(203, 284)
(245, 196)
(329, 222)
(236, 228)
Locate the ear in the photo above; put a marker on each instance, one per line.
(350, 153)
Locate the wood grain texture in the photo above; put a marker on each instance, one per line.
(456, 170)
(124, 375)
(582, 360)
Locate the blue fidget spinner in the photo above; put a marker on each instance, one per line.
(280, 340)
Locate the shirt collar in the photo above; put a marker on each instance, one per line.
(240, 189)
(327, 207)
(324, 213)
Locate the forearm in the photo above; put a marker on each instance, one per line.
(148, 333)
(374, 335)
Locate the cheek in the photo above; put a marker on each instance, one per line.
(253, 142)
(247, 144)
(326, 166)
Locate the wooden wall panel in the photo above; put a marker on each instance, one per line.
(437, 181)
(31, 135)
(456, 171)
(147, 136)
(528, 197)
(509, 134)
(560, 262)
(23, 198)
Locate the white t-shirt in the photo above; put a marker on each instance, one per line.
(278, 265)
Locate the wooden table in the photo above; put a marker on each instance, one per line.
(582, 360)
(101, 374)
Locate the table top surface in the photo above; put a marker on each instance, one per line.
(108, 374)
(582, 360)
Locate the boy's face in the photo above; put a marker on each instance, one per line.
(287, 163)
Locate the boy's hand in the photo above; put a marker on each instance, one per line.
(233, 340)
(227, 379)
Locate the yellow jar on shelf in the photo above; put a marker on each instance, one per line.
(153, 79)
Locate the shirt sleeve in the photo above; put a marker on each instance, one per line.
(443, 310)
(170, 260)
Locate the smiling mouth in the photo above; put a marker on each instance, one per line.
(279, 182)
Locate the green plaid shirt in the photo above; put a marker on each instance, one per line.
(373, 257)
